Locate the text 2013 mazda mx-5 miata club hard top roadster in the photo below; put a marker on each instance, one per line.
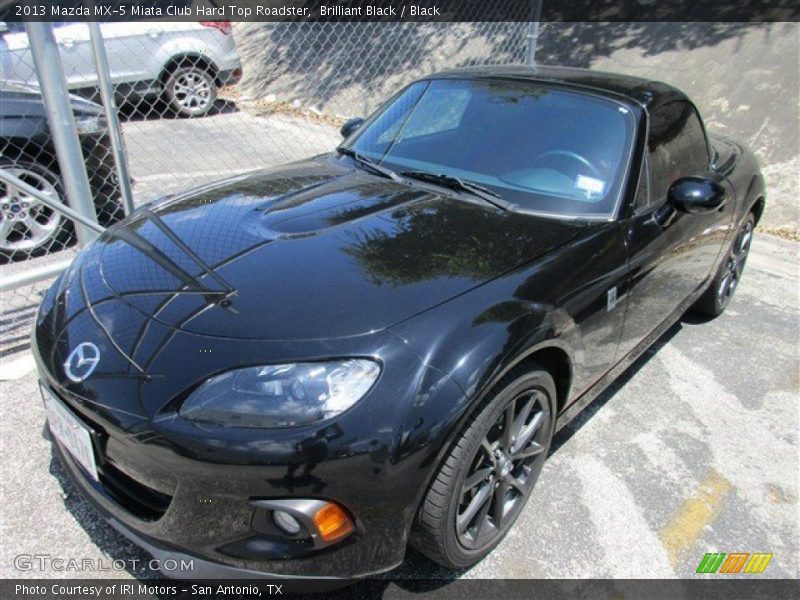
(300, 370)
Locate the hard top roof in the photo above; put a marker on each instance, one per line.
(647, 92)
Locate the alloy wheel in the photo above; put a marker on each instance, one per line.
(27, 224)
(503, 470)
(192, 90)
(735, 263)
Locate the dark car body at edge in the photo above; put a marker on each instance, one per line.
(24, 134)
(462, 294)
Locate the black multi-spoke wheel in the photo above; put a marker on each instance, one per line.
(498, 481)
(489, 473)
(734, 265)
(719, 293)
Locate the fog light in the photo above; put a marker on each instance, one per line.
(332, 522)
(286, 522)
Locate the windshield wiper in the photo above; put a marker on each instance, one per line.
(369, 164)
(456, 183)
(150, 250)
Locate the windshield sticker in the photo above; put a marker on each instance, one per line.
(590, 185)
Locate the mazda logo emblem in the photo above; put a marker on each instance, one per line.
(82, 362)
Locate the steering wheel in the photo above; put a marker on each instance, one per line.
(572, 155)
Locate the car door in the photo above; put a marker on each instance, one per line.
(670, 253)
(132, 48)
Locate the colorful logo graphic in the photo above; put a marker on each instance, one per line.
(735, 562)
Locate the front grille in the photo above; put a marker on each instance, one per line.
(138, 499)
(129, 494)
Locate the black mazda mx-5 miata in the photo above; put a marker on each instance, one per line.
(298, 371)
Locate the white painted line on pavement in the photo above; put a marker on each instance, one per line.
(195, 175)
(17, 368)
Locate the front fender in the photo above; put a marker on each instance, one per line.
(24, 130)
(179, 47)
(473, 341)
(477, 339)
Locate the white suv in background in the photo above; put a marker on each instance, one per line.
(185, 63)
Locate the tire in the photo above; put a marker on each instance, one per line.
(191, 90)
(720, 291)
(29, 228)
(110, 211)
(108, 206)
(454, 527)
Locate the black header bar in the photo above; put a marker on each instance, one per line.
(732, 588)
(402, 10)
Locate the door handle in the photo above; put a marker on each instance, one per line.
(153, 33)
(67, 42)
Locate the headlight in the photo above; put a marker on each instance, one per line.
(91, 124)
(281, 395)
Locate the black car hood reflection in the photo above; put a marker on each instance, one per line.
(316, 250)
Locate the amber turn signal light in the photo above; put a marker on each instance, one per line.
(332, 522)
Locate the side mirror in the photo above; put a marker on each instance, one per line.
(696, 195)
(350, 126)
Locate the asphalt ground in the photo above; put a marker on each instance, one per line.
(694, 450)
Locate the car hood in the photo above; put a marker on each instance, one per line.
(309, 251)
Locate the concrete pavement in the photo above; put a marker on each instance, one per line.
(170, 155)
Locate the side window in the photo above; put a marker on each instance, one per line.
(677, 146)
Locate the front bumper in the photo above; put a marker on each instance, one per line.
(187, 566)
(214, 533)
(202, 497)
(192, 567)
(182, 564)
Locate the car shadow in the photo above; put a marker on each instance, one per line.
(696, 318)
(149, 110)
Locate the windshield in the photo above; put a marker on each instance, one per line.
(539, 148)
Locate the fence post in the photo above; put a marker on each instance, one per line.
(110, 107)
(61, 120)
(67, 211)
(533, 32)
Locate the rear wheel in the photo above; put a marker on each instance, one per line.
(720, 292)
(28, 227)
(191, 90)
(485, 480)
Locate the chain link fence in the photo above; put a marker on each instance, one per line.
(198, 102)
